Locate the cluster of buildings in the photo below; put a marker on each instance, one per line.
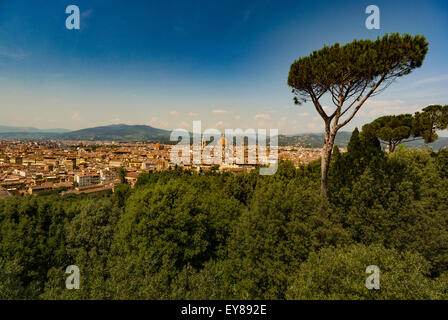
(31, 167)
(73, 167)
(300, 155)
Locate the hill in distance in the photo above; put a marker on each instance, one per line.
(10, 129)
(315, 140)
(116, 132)
(130, 133)
(119, 132)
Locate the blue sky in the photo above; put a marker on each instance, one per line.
(167, 63)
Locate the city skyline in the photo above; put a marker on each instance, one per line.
(223, 159)
(167, 65)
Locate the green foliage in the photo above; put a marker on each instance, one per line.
(394, 129)
(166, 227)
(441, 159)
(433, 117)
(89, 237)
(340, 273)
(278, 231)
(179, 235)
(350, 75)
(11, 286)
(359, 63)
(396, 200)
(364, 151)
(391, 129)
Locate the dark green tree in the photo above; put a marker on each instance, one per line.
(431, 119)
(400, 203)
(340, 273)
(441, 159)
(350, 74)
(10, 285)
(363, 151)
(166, 227)
(281, 227)
(391, 130)
(89, 235)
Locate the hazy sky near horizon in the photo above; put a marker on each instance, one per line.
(167, 63)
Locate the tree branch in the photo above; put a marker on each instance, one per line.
(362, 102)
(317, 105)
(357, 98)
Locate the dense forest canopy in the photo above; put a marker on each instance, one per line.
(182, 235)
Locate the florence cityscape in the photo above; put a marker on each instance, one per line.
(230, 159)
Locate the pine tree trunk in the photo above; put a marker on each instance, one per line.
(324, 173)
(325, 164)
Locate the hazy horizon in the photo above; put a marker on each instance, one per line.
(141, 124)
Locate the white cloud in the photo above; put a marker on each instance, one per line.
(153, 120)
(385, 107)
(304, 114)
(219, 111)
(439, 78)
(383, 103)
(261, 124)
(282, 122)
(174, 113)
(312, 126)
(264, 116)
(87, 13)
(184, 124)
(156, 122)
(16, 55)
(328, 110)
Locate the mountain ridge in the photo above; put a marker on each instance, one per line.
(10, 129)
(114, 132)
(119, 132)
(130, 133)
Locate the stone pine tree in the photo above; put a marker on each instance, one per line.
(391, 130)
(348, 75)
(430, 120)
(396, 129)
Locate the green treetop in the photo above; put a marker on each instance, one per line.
(349, 75)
